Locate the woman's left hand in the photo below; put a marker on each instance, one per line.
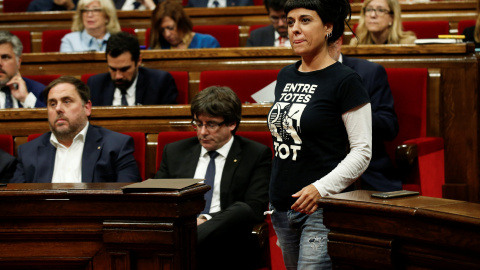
(307, 200)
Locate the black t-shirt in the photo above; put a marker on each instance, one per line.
(309, 136)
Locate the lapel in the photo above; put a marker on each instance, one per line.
(270, 37)
(191, 160)
(231, 163)
(45, 161)
(108, 92)
(91, 152)
(140, 88)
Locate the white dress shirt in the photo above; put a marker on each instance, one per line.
(277, 41)
(68, 160)
(29, 101)
(117, 96)
(221, 3)
(219, 164)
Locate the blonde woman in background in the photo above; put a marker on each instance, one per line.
(93, 23)
(380, 23)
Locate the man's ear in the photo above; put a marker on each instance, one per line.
(139, 62)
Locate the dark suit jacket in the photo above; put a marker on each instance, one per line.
(469, 33)
(230, 3)
(264, 36)
(8, 164)
(107, 157)
(154, 87)
(381, 173)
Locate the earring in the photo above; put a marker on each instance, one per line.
(328, 35)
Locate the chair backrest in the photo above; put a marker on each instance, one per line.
(51, 39)
(258, 2)
(181, 80)
(427, 29)
(164, 138)
(243, 82)
(140, 148)
(25, 38)
(226, 35)
(15, 5)
(84, 78)
(43, 79)
(409, 90)
(424, 29)
(465, 24)
(6, 143)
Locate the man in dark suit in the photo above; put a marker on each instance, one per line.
(8, 164)
(219, 3)
(127, 83)
(275, 34)
(75, 151)
(381, 174)
(16, 91)
(239, 194)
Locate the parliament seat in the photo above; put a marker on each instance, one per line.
(243, 82)
(25, 38)
(139, 153)
(43, 79)
(418, 157)
(465, 24)
(226, 35)
(15, 5)
(6, 143)
(427, 29)
(52, 39)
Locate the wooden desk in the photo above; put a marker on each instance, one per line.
(404, 233)
(96, 226)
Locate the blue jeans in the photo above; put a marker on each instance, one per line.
(302, 238)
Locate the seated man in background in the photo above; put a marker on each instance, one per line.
(275, 34)
(75, 151)
(8, 164)
(127, 83)
(381, 174)
(237, 169)
(15, 91)
(135, 4)
(52, 5)
(219, 3)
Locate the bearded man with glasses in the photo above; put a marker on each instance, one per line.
(275, 34)
(240, 179)
(380, 23)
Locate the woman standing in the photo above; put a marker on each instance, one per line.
(93, 23)
(321, 128)
(381, 23)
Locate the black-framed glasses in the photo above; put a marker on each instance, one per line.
(91, 10)
(276, 19)
(378, 11)
(212, 126)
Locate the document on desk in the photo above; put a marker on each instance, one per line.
(160, 184)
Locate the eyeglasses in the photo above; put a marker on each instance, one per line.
(276, 19)
(93, 10)
(211, 126)
(378, 11)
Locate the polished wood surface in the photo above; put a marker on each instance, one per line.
(452, 97)
(96, 226)
(403, 233)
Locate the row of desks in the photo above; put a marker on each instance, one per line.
(244, 17)
(452, 97)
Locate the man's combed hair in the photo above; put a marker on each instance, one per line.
(217, 101)
(123, 42)
(82, 89)
(7, 37)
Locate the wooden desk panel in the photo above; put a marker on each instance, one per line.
(404, 233)
(96, 226)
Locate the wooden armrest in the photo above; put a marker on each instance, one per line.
(406, 154)
(261, 231)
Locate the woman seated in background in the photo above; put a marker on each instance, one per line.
(380, 23)
(472, 33)
(172, 29)
(93, 23)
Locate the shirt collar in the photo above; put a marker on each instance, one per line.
(90, 41)
(79, 137)
(223, 151)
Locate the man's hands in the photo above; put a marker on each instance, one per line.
(149, 4)
(67, 4)
(201, 220)
(18, 88)
(307, 200)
